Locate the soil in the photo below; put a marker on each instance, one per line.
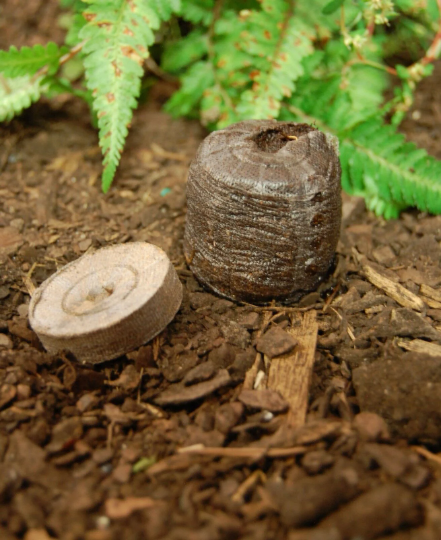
(188, 437)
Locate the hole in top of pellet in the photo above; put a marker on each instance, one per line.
(273, 139)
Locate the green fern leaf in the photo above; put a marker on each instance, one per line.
(195, 81)
(377, 163)
(383, 167)
(118, 35)
(28, 60)
(278, 42)
(185, 51)
(197, 11)
(18, 94)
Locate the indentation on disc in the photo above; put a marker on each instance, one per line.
(99, 291)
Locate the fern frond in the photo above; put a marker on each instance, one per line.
(118, 35)
(377, 163)
(380, 165)
(195, 81)
(17, 94)
(184, 52)
(197, 11)
(277, 42)
(28, 60)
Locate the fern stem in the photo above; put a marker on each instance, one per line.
(343, 29)
(152, 66)
(65, 58)
(364, 61)
(434, 50)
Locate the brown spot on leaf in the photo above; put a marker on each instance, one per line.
(110, 97)
(267, 34)
(131, 53)
(116, 68)
(254, 74)
(127, 31)
(272, 103)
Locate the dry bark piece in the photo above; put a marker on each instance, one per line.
(179, 393)
(264, 210)
(381, 510)
(268, 400)
(309, 499)
(275, 342)
(10, 240)
(107, 303)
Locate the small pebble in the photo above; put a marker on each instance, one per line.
(23, 391)
(371, 427)
(102, 522)
(23, 310)
(5, 342)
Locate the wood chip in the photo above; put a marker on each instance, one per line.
(432, 293)
(420, 346)
(291, 374)
(434, 304)
(400, 294)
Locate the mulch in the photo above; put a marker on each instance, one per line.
(196, 435)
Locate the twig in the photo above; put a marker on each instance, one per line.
(247, 485)
(427, 454)
(243, 452)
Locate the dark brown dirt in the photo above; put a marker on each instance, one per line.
(92, 452)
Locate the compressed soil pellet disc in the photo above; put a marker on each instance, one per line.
(264, 210)
(106, 303)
